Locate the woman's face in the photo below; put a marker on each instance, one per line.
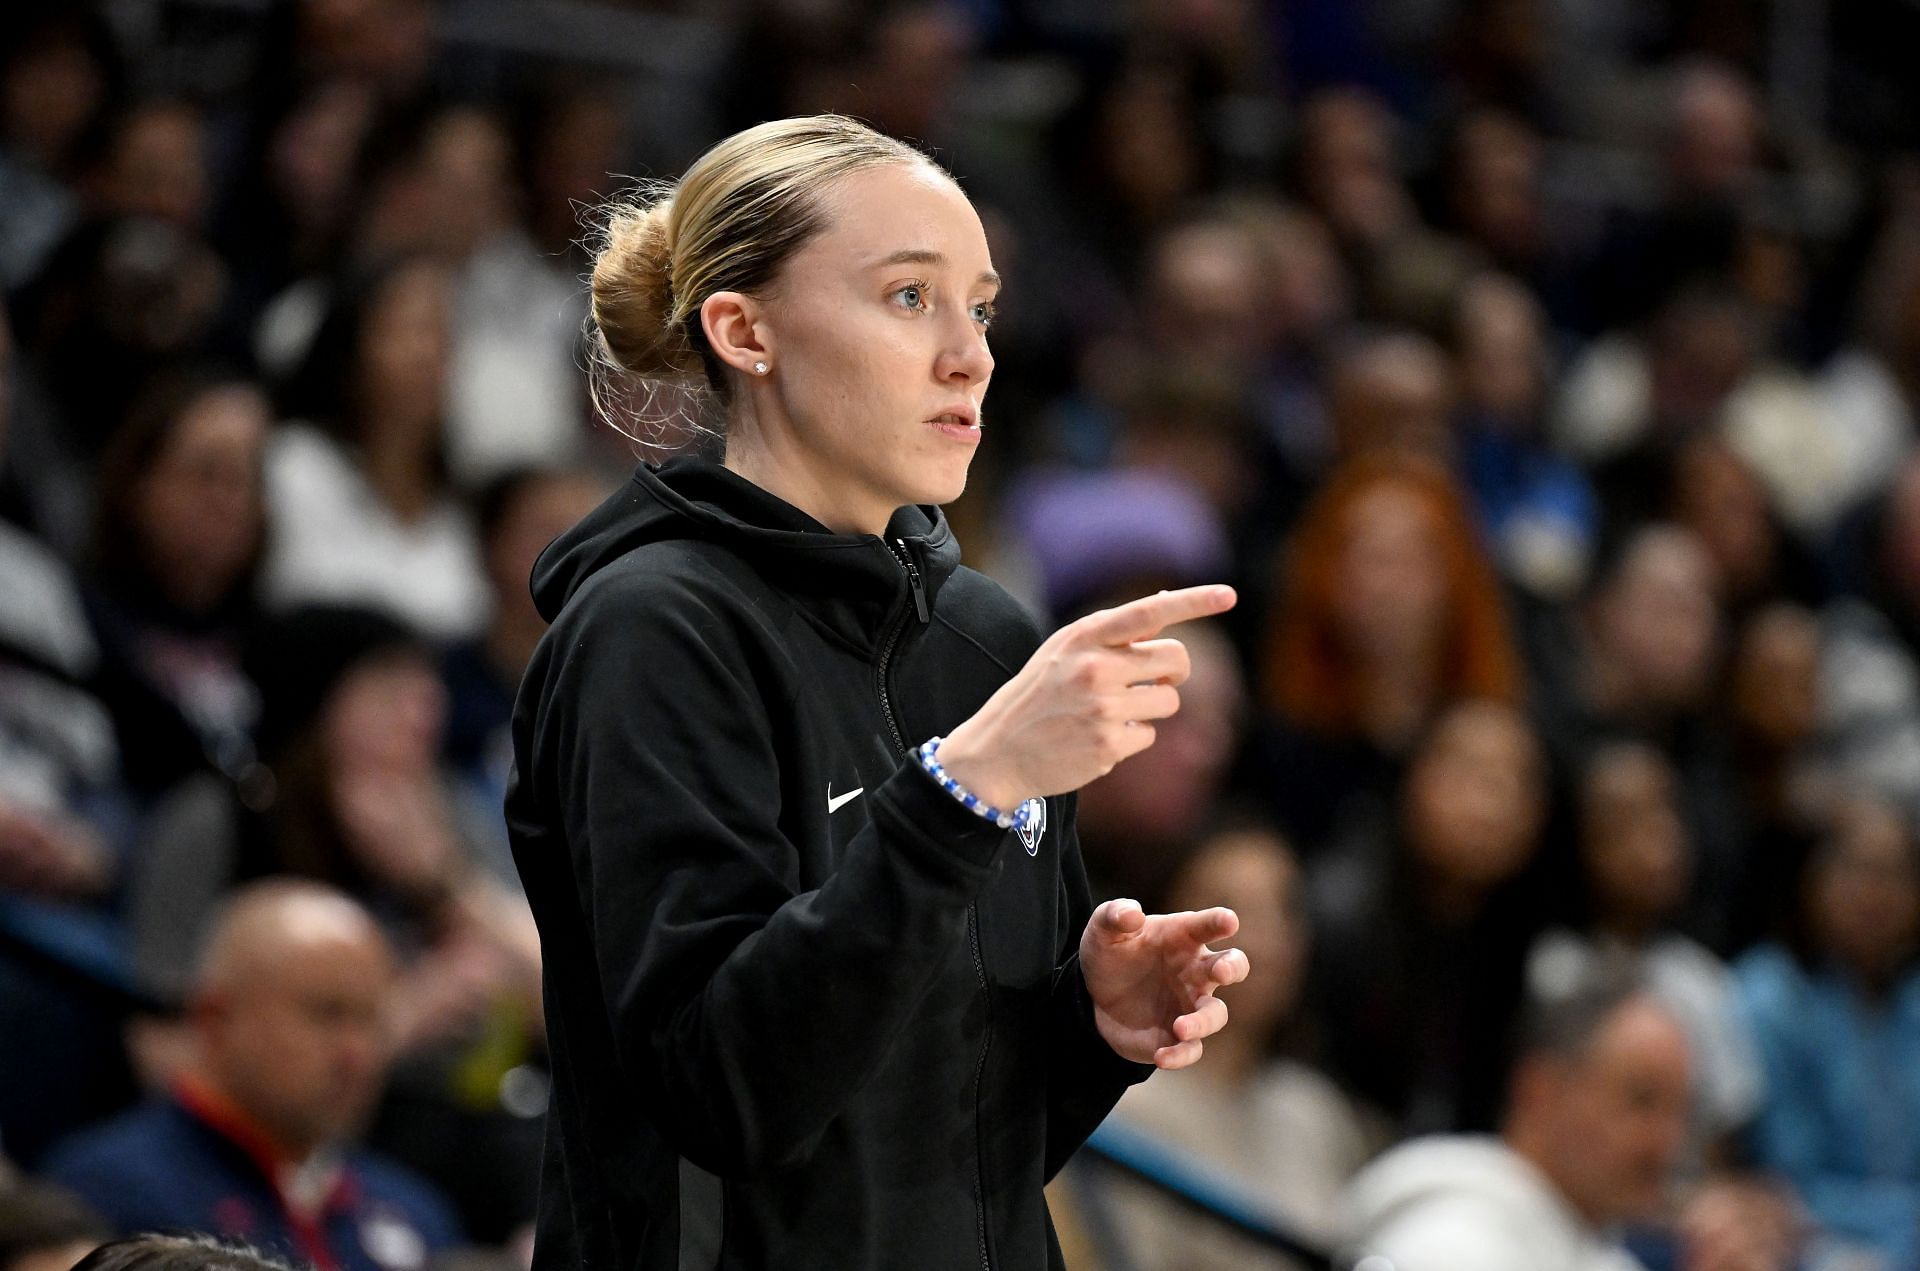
(876, 335)
(403, 354)
(199, 509)
(386, 715)
(1635, 845)
(1475, 796)
(1393, 584)
(1253, 873)
(1865, 892)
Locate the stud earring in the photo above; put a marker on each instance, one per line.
(759, 368)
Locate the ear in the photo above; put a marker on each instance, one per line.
(736, 331)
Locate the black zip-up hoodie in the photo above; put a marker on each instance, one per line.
(805, 1009)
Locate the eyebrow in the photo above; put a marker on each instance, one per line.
(923, 256)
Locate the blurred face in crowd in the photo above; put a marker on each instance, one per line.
(1164, 792)
(385, 43)
(1476, 796)
(1496, 184)
(1721, 500)
(539, 512)
(1393, 582)
(1607, 1124)
(50, 90)
(1776, 677)
(1253, 873)
(1632, 840)
(1502, 351)
(1145, 138)
(1202, 296)
(877, 330)
(1714, 132)
(1394, 394)
(1657, 624)
(199, 510)
(386, 715)
(1864, 890)
(468, 161)
(1348, 167)
(311, 156)
(158, 166)
(404, 351)
(293, 1011)
(1703, 347)
(1307, 289)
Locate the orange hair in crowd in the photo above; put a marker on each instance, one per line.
(1311, 676)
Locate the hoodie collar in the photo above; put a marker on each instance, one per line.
(855, 585)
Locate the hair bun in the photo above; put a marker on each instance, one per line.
(632, 296)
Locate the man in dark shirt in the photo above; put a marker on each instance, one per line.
(289, 1013)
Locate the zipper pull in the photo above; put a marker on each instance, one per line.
(913, 580)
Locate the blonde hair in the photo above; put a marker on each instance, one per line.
(733, 220)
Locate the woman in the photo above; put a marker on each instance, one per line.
(1422, 928)
(807, 1008)
(1391, 611)
(363, 512)
(1835, 1008)
(179, 532)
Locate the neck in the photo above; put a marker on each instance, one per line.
(1533, 1145)
(1235, 1054)
(1394, 700)
(210, 1099)
(774, 460)
(402, 476)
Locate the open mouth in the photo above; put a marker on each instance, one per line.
(955, 424)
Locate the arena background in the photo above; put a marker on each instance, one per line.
(1543, 372)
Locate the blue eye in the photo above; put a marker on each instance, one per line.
(983, 313)
(918, 293)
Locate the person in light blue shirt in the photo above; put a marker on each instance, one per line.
(1835, 1009)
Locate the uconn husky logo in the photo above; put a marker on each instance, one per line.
(1036, 826)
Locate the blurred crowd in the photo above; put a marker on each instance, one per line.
(1545, 374)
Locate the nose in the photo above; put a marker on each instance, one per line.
(964, 357)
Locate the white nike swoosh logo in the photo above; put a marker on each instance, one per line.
(834, 805)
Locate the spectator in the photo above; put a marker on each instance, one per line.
(1138, 822)
(352, 793)
(1787, 769)
(1595, 1121)
(518, 515)
(289, 1007)
(1536, 507)
(55, 76)
(180, 528)
(358, 489)
(1389, 611)
(1278, 1128)
(1641, 660)
(1836, 1012)
(1637, 866)
(1421, 930)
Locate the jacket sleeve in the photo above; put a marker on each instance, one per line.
(1085, 1076)
(754, 1009)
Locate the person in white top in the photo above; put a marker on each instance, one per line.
(361, 507)
(1597, 1117)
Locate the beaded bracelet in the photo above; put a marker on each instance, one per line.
(927, 756)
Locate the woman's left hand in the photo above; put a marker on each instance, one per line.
(1152, 979)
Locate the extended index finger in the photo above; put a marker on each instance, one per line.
(1148, 616)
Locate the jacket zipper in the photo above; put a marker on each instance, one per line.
(904, 554)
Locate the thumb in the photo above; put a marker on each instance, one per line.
(1118, 919)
